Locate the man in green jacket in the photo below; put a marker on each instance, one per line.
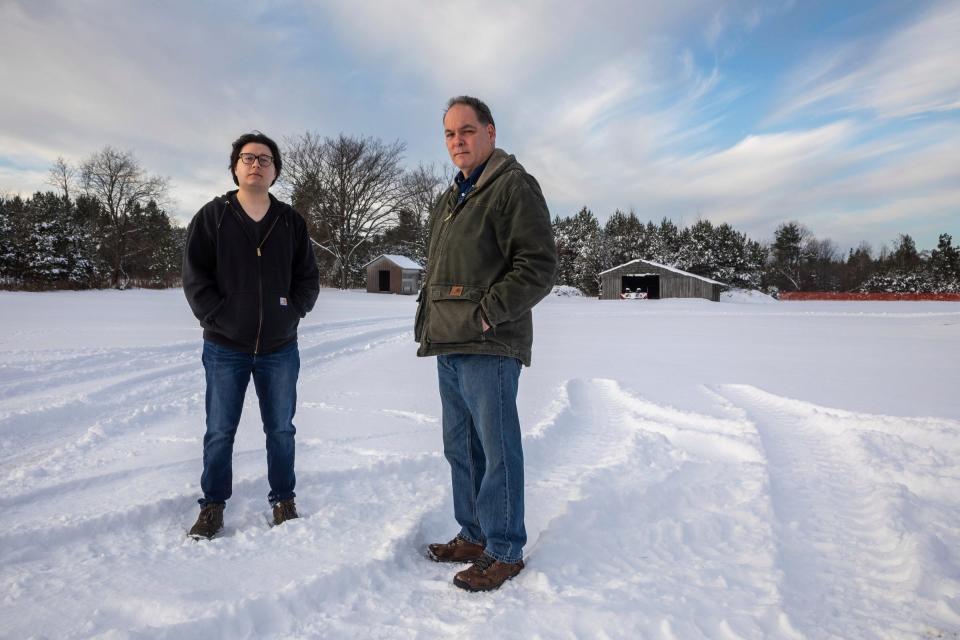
(491, 259)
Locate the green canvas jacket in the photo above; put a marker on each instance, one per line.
(493, 257)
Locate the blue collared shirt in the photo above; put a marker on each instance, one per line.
(467, 184)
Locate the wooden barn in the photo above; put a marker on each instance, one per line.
(393, 274)
(647, 279)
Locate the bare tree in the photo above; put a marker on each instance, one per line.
(424, 186)
(62, 176)
(348, 189)
(116, 181)
(789, 254)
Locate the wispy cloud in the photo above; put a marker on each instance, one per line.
(663, 107)
(909, 72)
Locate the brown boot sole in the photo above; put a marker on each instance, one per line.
(472, 589)
(198, 537)
(430, 556)
(466, 586)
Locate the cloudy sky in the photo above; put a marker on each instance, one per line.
(844, 116)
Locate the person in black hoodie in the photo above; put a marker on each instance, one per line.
(250, 275)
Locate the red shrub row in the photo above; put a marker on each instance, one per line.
(832, 295)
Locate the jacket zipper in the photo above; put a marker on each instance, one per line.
(256, 347)
(444, 232)
(441, 246)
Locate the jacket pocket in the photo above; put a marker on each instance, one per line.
(238, 317)
(280, 317)
(454, 314)
(209, 320)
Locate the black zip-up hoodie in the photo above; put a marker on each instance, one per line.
(249, 296)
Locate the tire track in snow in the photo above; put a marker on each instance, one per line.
(313, 357)
(47, 371)
(48, 441)
(373, 508)
(584, 466)
(34, 374)
(353, 562)
(384, 576)
(846, 551)
(133, 521)
(669, 501)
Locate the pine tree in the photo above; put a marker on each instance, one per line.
(579, 243)
(587, 261)
(738, 260)
(563, 240)
(17, 215)
(87, 268)
(58, 246)
(696, 252)
(905, 257)
(624, 239)
(945, 263)
(153, 253)
(653, 243)
(668, 243)
(789, 256)
(7, 246)
(45, 259)
(859, 267)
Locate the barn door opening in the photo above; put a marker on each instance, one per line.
(384, 280)
(648, 284)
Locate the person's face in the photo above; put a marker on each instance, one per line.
(468, 142)
(255, 175)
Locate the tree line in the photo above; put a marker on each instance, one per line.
(795, 260)
(104, 225)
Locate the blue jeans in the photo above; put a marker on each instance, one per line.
(481, 441)
(275, 379)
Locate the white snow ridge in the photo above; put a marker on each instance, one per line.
(693, 470)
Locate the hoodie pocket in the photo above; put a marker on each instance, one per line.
(454, 314)
(238, 317)
(280, 317)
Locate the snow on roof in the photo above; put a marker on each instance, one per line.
(663, 266)
(401, 261)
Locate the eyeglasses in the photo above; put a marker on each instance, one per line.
(264, 160)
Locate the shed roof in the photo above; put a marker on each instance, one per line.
(401, 261)
(663, 266)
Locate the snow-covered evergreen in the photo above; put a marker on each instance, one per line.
(51, 241)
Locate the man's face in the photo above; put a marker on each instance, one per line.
(255, 175)
(468, 142)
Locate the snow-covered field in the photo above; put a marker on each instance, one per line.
(694, 470)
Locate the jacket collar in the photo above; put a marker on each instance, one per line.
(498, 160)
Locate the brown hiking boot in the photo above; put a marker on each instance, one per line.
(457, 550)
(487, 574)
(283, 511)
(209, 522)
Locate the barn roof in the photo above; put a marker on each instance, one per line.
(663, 266)
(401, 261)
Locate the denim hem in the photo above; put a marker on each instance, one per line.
(500, 558)
(471, 540)
(204, 501)
(273, 501)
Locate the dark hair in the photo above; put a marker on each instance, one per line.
(479, 107)
(246, 139)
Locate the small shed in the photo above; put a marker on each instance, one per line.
(648, 279)
(393, 274)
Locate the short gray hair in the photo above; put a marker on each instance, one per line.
(479, 107)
